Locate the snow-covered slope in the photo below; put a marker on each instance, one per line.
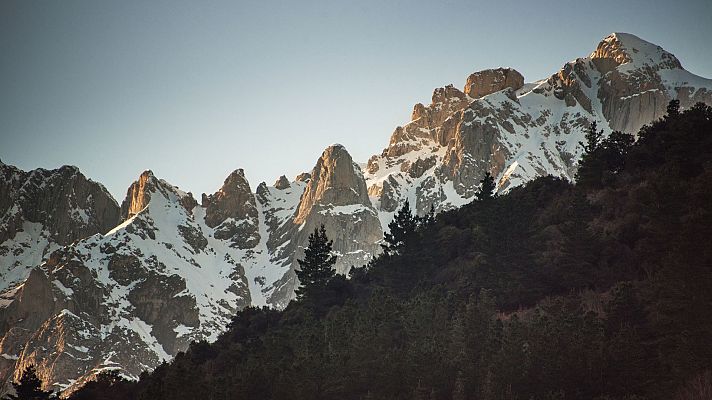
(41, 210)
(134, 296)
(519, 131)
(77, 296)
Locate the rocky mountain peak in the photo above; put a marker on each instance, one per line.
(335, 180)
(303, 177)
(176, 272)
(63, 201)
(138, 195)
(282, 183)
(233, 200)
(617, 49)
(336, 197)
(232, 211)
(482, 83)
(41, 210)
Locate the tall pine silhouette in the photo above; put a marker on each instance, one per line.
(29, 387)
(402, 227)
(487, 187)
(317, 267)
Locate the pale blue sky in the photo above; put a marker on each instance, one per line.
(193, 90)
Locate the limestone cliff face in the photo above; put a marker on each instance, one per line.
(138, 195)
(41, 210)
(486, 82)
(333, 194)
(336, 196)
(519, 131)
(640, 79)
(63, 201)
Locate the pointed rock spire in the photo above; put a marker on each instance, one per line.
(282, 183)
(336, 180)
(138, 195)
(232, 210)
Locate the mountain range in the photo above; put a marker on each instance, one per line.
(88, 284)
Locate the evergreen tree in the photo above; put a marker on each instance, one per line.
(598, 153)
(402, 228)
(487, 187)
(593, 138)
(317, 267)
(673, 108)
(29, 387)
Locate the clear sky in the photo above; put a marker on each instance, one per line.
(194, 90)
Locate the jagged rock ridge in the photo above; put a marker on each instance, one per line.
(520, 131)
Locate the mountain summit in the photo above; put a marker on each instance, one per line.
(519, 131)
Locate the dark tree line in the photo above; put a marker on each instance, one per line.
(599, 290)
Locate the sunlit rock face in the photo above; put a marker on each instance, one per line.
(88, 285)
(518, 131)
(640, 79)
(336, 197)
(486, 82)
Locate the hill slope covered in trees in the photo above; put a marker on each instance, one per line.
(554, 291)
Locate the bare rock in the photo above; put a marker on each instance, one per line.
(232, 211)
(482, 83)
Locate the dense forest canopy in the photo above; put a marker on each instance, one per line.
(599, 290)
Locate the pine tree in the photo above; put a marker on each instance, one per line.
(673, 109)
(487, 187)
(402, 228)
(591, 167)
(317, 267)
(29, 387)
(593, 138)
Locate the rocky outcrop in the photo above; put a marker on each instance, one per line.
(138, 195)
(63, 201)
(41, 210)
(232, 211)
(337, 197)
(282, 183)
(518, 132)
(131, 298)
(482, 83)
(638, 81)
(162, 302)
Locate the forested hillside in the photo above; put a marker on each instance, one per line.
(601, 289)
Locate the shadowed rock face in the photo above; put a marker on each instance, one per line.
(42, 210)
(63, 201)
(131, 298)
(232, 211)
